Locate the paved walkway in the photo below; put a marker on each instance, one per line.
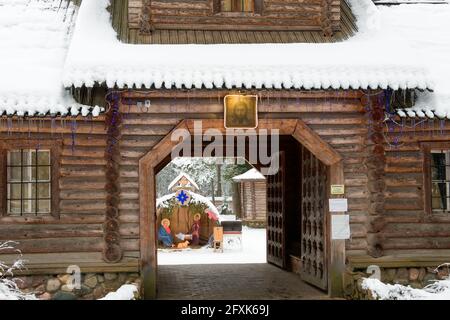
(228, 281)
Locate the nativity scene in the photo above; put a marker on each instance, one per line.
(184, 217)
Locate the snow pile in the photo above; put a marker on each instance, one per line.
(251, 174)
(253, 251)
(96, 56)
(8, 288)
(34, 38)
(125, 292)
(440, 290)
(163, 202)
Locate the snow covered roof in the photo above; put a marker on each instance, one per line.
(181, 175)
(195, 198)
(34, 37)
(370, 61)
(250, 175)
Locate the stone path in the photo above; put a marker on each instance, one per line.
(238, 282)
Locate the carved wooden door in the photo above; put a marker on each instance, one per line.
(313, 220)
(276, 243)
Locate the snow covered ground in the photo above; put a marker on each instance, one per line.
(253, 251)
(440, 290)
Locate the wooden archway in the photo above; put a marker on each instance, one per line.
(147, 193)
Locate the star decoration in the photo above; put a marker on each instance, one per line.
(182, 197)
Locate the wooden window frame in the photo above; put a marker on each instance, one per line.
(426, 148)
(55, 155)
(258, 11)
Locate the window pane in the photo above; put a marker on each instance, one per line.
(44, 173)
(14, 191)
(14, 158)
(29, 191)
(43, 157)
(28, 157)
(43, 190)
(29, 206)
(14, 206)
(44, 206)
(14, 174)
(28, 174)
(439, 196)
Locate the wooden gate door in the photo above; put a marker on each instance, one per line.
(313, 220)
(276, 242)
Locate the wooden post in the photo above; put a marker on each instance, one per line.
(337, 247)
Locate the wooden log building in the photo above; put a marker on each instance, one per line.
(253, 197)
(79, 188)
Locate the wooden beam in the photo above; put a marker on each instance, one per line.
(311, 140)
(220, 94)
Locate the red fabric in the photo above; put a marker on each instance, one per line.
(167, 229)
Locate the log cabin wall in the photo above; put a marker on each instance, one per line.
(339, 118)
(290, 15)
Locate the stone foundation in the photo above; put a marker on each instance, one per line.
(93, 285)
(416, 277)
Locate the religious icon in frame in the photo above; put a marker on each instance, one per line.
(241, 111)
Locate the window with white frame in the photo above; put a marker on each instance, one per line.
(440, 180)
(28, 173)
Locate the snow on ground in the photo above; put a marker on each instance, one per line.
(125, 292)
(253, 251)
(96, 55)
(34, 38)
(440, 290)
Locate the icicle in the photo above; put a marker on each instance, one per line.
(442, 125)
(413, 125)
(9, 121)
(73, 133)
(29, 127)
(52, 126)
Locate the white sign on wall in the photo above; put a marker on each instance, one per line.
(340, 226)
(338, 205)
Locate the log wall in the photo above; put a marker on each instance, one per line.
(340, 119)
(205, 15)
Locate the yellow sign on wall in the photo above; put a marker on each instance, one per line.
(241, 111)
(337, 189)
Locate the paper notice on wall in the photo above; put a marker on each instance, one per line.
(340, 226)
(338, 205)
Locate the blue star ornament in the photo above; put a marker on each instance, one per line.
(182, 197)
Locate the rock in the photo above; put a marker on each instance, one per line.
(422, 274)
(100, 278)
(110, 276)
(23, 282)
(443, 273)
(45, 296)
(66, 288)
(61, 295)
(53, 285)
(402, 274)
(84, 290)
(98, 292)
(429, 279)
(416, 285)
(111, 285)
(413, 274)
(39, 290)
(64, 278)
(123, 277)
(39, 280)
(88, 297)
(388, 275)
(91, 282)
